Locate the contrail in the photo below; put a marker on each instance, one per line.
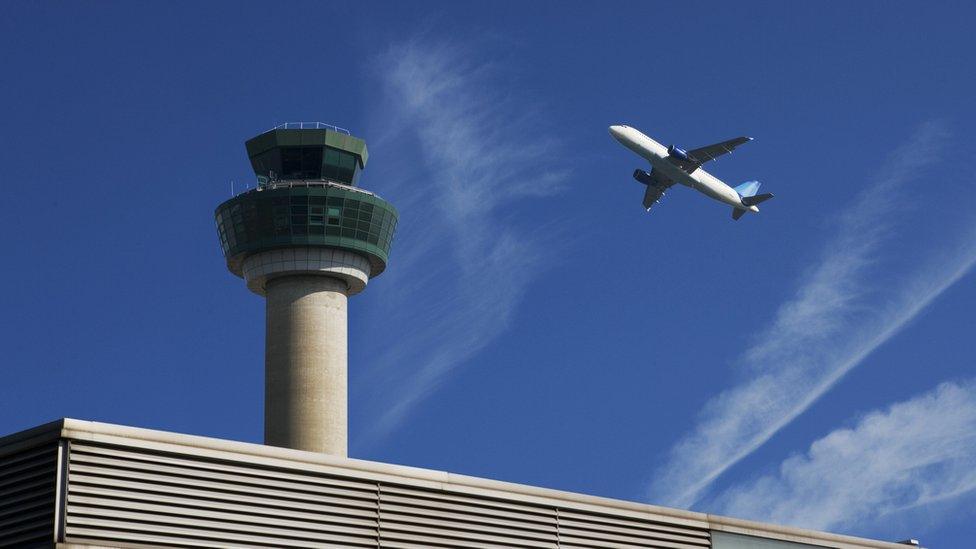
(836, 319)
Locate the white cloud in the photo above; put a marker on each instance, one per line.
(842, 311)
(913, 454)
(459, 153)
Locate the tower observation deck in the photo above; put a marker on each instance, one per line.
(306, 237)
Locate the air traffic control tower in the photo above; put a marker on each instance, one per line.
(306, 238)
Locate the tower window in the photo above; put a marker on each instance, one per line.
(301, 162)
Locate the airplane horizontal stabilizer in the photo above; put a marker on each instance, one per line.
(737, 213)
(758, 199)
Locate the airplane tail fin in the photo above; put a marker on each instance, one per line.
(749, 188)
(749, 200)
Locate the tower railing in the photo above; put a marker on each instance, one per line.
(265, 184)
(310, 126)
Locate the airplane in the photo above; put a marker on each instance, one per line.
(670, 165)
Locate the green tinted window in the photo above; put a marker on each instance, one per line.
(330, 169)
(301, 163)
(347, 165)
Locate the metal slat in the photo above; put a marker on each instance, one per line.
(24, 501)
(184, 475)
(397, 544)
(27, 492)
(40, 471)
(33, 455)
(569, 541)
(35, 515)
(133, 489)
(568, 538)
(396, 503)
(440, 497)
(584, 529)
(236, 503)
(426, 543)
(20, 539)
(171, 485)
(633, 541)
(147, 520)
(459, 520)
(82, 450)
(635, 537)
(406, 521)
(421, 516)
(24, 462)
(625, 528)
(631, 519)
(242, 512)
(96, 508)
(394, 510)
(87, 537)
(120, 531)
(127, 496)
(464, 503)
(34, 531)
(392, 530)
(404, 540)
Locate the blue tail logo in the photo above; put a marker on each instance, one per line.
(749, 188)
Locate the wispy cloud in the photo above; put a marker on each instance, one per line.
(463, 167)
(844, 309)
(913, 454)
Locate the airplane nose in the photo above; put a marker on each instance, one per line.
(617, 131)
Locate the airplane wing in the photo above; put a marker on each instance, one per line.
(655, 190)
(711, 152)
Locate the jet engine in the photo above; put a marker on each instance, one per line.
(680, 154)
(643, 177)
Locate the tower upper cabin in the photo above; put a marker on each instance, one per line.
(307, 151)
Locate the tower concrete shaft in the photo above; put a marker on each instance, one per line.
(306, 364)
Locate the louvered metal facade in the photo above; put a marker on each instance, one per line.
(93, 484)
(28, 492)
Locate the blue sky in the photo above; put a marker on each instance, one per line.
(812, 365)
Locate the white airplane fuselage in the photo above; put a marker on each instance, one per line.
(657, 155)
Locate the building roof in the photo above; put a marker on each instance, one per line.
(87, 482)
